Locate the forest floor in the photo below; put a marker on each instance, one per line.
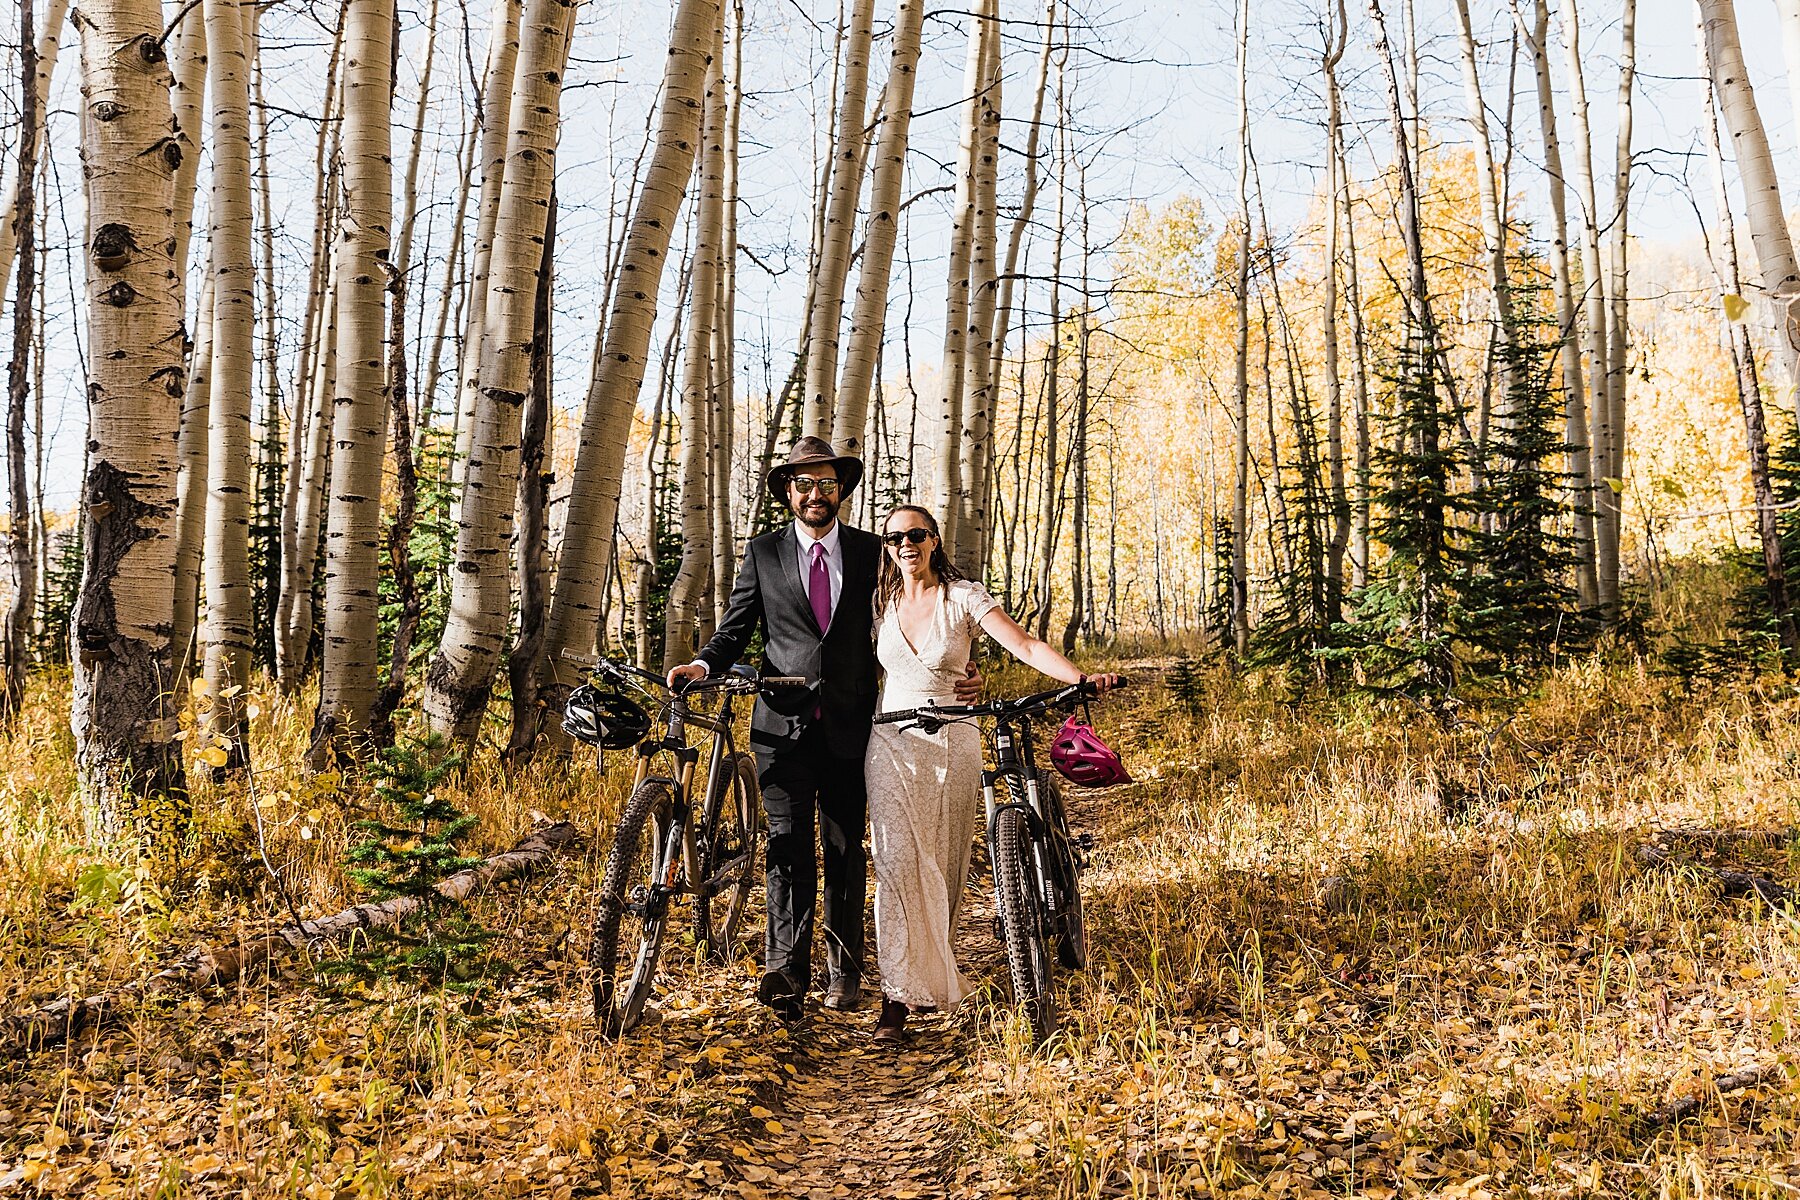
(1339, 948)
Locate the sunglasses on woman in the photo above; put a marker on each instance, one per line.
(915, 536)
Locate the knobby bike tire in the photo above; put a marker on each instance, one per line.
(730, 836)
(619, 1003)
(1021, 924)
(1068, 925)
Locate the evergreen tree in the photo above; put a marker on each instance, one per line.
(1403, 632)
(1520, 602)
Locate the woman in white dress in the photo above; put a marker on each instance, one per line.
(925, 788)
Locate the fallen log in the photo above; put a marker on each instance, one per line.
(203, 966)
(1731, 882)
(1677, 1111)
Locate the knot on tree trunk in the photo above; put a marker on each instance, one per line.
(113, 247)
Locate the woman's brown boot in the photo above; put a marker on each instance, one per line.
(891, 1027)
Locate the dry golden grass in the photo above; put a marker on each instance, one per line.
(1338, 950)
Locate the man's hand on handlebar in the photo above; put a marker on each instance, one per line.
(968, 688)
(686, 673)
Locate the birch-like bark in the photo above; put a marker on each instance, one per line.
(1578, 465)
(310, 466)
(1618, 328)
(970, 544)
(696, 393)
(1334, 388)
(724, 373)
(947, 478)
(190, 490)
(1769, 233)
(123, 718)
(461, 676)
(227, 633)
(1602, 497)
(1240, 379)
(348, 680)
(189, 63)
(23, 226)
(1743, 356)
(840, 223)
(496, 104)
(588, 524)
(868, 319)
(1494, 375)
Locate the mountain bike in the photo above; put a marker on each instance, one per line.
(1037, 862)
(666, 846)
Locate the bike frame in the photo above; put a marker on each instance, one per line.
(1013, 758)
(678, 854)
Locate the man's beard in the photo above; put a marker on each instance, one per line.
(812, 521)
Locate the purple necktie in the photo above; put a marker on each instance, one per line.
(818, 588)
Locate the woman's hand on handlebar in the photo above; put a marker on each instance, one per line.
(1104, 683)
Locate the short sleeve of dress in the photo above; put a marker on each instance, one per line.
(974, 602)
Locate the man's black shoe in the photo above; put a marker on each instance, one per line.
(777, 989)
(844, 993)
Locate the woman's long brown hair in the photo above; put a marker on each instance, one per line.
(888, 578)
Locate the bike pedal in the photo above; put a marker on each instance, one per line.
(1084, 841)
(999, 930)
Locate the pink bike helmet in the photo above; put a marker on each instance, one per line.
(1083, 758)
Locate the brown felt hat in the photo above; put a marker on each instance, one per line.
(813, 452)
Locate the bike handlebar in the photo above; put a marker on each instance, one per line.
(994, 708)
(740, 678)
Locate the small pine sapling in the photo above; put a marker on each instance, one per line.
(409, 855)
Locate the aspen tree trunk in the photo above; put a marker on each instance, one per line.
(1594, 305)
(461, 676)
(1494, 375)
(123, 718)
(1618, 298)
(269, 436)
(1769, 233)
(23, 227)
(308, 457)
(347, 683)
(1027, 200)
(496, 105)
(1359, 384)
(434, 359)
(190, 490)
(978, 380)
(189, 63)
(1240, 490)
(724, 380)
(1334, 388)
(868, 319)
(47, 47)
(1578, 464)
(840, 223)
(522, 663)
(589, 522)
(1078, 599)
(1743, 356)
(309, 467)
(947, 480)
(227, 635)
(696, 394)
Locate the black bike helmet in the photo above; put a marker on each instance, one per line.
(610, 720)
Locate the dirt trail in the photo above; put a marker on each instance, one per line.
(866, 1119)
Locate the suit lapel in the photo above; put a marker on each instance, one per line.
(789, 550)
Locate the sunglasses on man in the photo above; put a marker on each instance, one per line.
(806, 483)
(916, 536)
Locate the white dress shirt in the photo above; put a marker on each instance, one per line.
(834, 560)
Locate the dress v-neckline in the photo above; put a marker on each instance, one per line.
(900, 626)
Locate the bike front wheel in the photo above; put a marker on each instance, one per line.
(629, 924)
(1018, 900)
(734, 823)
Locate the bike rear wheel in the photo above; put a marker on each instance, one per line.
(1068, 927)
(1022, 927)
(730, 835)
(629, 926)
